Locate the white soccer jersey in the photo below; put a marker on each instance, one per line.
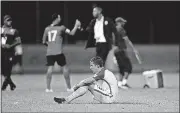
(106, 81)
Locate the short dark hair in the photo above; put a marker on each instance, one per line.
(97, 61)
(54, 16)
(120, 19)
(7, 17)
(98, 7)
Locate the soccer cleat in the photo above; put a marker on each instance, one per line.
(13, 87)
(59, 100)
(49, 90)
(3, 88)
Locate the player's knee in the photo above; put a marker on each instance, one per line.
(66, 69)
(84, 89)
(49, 71)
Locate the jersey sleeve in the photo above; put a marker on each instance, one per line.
(16, 34)
(44, 36)
(98, 77)
(66, 30)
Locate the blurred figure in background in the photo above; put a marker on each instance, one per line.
(9, 39)
(53, 39)
(100, 33)
(124, 63)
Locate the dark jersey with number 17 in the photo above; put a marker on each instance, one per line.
(53, 37)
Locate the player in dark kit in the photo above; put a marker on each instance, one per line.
(53, 39)
(9, 39)
(124, 63)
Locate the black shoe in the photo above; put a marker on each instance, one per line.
(3, 88)
(13, 87)
(59, 100)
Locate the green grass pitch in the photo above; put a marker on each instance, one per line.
(30, 96)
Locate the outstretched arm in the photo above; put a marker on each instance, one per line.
(134, 49)
(127, 40)
(73, 31)
(44, 38)
(90, 26)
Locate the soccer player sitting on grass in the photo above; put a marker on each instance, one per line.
(103, 85)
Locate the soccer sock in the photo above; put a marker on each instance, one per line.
(19, 59)
(67, 78)
(120, 83)
(48, 80)
(79, 92)
(121, 77)
(124, 81)
(126, 75)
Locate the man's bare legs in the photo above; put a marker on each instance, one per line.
(49, 78)
(78, 93)
(66, 74)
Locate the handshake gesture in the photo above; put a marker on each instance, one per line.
(78, 24)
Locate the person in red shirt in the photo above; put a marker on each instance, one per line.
(53, 39)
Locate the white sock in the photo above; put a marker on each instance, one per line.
(119, 83)
(124, 81)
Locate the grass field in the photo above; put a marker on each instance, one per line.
(30, 96)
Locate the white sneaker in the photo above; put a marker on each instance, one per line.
(49, 90)
(119, 84)
(123, 87)
(69, 90)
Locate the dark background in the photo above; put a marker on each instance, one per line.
(148, 22)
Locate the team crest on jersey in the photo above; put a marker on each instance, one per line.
(10, 58)
(12, 30)
(106, 22)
